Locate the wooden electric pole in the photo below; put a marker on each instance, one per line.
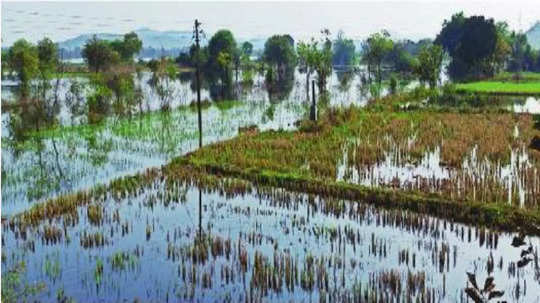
(198, 76)
(197, 24)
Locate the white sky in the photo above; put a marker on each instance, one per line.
(404, 19)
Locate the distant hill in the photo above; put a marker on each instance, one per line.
(155, 43)
(533, 35)
(150, 38)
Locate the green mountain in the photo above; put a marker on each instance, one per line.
(533, 35)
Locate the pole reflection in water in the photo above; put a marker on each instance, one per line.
(200, 212)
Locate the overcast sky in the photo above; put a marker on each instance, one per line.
(403, 19)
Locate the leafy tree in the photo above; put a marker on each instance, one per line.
(502, 47)
(307, 60)
(452, 31)
(472, 44)
(99, 54)
(429, 64)
(375, 49)
(48, 55)
(401, 58)
(247, 48)
(343, 52)
(248, 67)
(280, 61)
(221, 52)
(5, 62)
(323, 61)
(75, 99)
(520, 49)
(132, 45)
(128, 47)
(48, 61)
(279, 53)
(23, 59)
(478, 42)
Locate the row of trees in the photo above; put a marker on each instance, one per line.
(39, 67)
(477, 47)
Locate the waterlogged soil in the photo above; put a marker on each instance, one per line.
(173, 241)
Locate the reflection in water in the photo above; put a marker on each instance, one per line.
(261, 244)
(89, 155)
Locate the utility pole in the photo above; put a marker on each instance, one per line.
(313, 113)
(198, 73)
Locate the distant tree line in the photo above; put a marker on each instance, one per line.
(474, 47)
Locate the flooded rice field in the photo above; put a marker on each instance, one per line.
(77, 158)
(78, 155)
(181, 240)
(173, 241)
(476, 179)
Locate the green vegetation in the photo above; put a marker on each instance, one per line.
(498, 87)
(14, 288)
(375, 49)
(280, 60)
(101, 55)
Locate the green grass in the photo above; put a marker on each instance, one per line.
(500, 87)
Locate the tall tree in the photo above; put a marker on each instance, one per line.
(128, 47)
(307, 60)
(48, 55)
(323, 61)
(99, 54)
(519, 48)
(472, 44)
(343, 52)
(452, 31)
(280, 62)
(247, 48)
(375, 49)
(221, 52)
(280, 54)
(429, 64)
(24, 61)
(48, 62)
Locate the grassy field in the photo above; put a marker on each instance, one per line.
(500, 87)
